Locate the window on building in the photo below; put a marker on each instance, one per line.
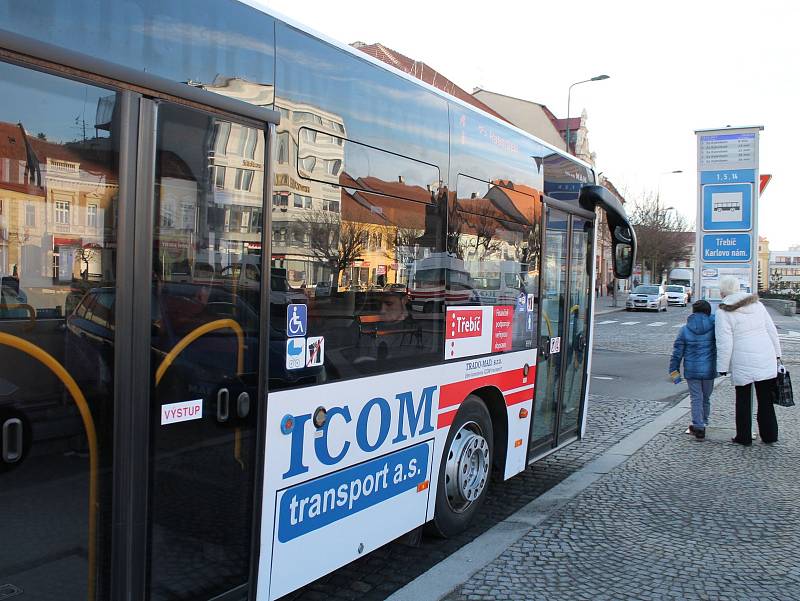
(30, 215)
(91, 215)
(62, 212)
(330, 205)
(244, 179)
(302, 202)
(308, 164)
(251, 143)
(280, 201)
(282, 150)
(308, 136)
(219, 176)
(306, 117)
(333, 166)
(222, 132)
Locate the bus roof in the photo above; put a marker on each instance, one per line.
(258, 5)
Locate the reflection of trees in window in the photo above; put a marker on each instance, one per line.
(336, 243)
(402, 245)
(86, 254)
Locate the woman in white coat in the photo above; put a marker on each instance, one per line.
(748, 348)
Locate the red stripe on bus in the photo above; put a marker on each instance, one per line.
(519, 397)
(445, 419)
(453, 394)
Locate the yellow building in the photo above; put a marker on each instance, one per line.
(763, 263)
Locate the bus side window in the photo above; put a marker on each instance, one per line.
(500, 260)
(372, 297)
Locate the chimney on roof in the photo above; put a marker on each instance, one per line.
(358, 44)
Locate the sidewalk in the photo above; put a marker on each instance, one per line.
(660, 516)
(605, 304)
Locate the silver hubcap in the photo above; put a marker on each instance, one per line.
(467, 468)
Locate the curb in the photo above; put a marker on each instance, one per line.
(447, 575)
(610, 310)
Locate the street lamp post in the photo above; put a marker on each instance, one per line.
(569, 93)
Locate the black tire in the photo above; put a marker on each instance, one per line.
(449, 520)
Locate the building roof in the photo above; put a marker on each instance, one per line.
(422, 71)
(574, 123)
(608, 185)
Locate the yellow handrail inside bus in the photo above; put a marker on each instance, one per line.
(88, 423)
(219, 324)
(31, 311)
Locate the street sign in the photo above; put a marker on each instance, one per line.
(727, 208)
(727, 247)
(764, 179)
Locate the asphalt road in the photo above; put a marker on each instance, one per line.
(617, 374)
(630, 354)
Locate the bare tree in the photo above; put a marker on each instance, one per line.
(776, 282)
(335, 241)
(86, 254)
(660, 233)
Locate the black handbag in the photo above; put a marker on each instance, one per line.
(783, 383)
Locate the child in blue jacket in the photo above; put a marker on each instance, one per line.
(696, 347)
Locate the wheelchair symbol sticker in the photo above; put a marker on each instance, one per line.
(296, 320)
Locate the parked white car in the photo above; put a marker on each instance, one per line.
(677, 295)
(650, 297)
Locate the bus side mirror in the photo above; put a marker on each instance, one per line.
(623, 238)
(623, 260)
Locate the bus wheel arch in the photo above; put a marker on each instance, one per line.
(496, 404)
(466, 467)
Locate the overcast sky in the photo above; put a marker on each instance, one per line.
(675, 67)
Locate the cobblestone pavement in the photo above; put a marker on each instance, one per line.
(394, 565)
(681, 519)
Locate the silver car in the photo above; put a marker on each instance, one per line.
(649, 297)
(677, 295)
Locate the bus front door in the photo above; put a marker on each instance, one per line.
(563, 327)
(207, 197)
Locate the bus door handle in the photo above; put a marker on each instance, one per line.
(12, 440)
(544, 347)
(580, 342)
(223, 404)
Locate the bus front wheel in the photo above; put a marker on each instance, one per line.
(465, 469)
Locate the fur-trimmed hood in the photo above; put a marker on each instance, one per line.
(738, 300)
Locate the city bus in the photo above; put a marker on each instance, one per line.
(169, 430)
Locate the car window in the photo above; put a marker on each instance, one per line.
(646, 290)
(675, 289)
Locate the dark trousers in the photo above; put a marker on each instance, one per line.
(767, 423)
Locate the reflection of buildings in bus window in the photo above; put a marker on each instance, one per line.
(56, 210)
(333, 218)
(311, 198)
(501, 226)
(233, 212)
